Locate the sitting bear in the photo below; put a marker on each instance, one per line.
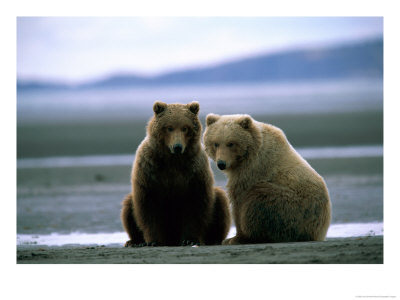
(276, 195)
(173, 201)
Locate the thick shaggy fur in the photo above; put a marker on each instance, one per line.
(276, 195)
(173, 200)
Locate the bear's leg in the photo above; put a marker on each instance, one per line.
(239, 238)
(156, 234)
(195, 220)
(156, 224)
(220, 221)
(192, 231)
(273, 213)
(129, 223)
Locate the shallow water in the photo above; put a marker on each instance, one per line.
(127, 159)
(251, 98)
(56, 239)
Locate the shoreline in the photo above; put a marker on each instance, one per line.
(357, 250)
(344, 230)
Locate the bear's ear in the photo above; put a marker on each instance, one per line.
(245, 122)
(194, 107)
(159, 107)
(211, 119)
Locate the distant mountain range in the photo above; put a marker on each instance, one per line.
(361, 59)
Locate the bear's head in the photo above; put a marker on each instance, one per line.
(229, 140)
(175, 127)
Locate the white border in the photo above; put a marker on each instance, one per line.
(195, 282)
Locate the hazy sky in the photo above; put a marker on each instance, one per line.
(83, 48)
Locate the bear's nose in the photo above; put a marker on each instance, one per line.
(221, 165)
(178, 148)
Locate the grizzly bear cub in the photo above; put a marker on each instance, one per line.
(276, 195)
(173, 201)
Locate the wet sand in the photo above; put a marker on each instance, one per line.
(366, 250)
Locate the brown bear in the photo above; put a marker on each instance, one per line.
(173, 201)
(276, 195)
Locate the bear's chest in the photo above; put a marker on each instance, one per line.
(172, 180)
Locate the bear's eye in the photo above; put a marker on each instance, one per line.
(216, 145)
(170, 129)
(229, 145)
(184, 129)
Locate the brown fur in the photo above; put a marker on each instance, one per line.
(276, 195)
(173, 198)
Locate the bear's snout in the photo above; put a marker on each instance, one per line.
(178, 149)
(221, 165)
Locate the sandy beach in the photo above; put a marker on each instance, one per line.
(365, 250)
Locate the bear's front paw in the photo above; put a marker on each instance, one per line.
(226, 242)
(232, 241)
(189, 243)
(129, 243)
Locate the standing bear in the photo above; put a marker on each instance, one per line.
(276, 195)
(173, 200)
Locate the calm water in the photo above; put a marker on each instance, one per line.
(127, 159)
(251, 98)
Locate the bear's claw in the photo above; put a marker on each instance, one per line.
(189, 243)
(130, 243)
(151, 244)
